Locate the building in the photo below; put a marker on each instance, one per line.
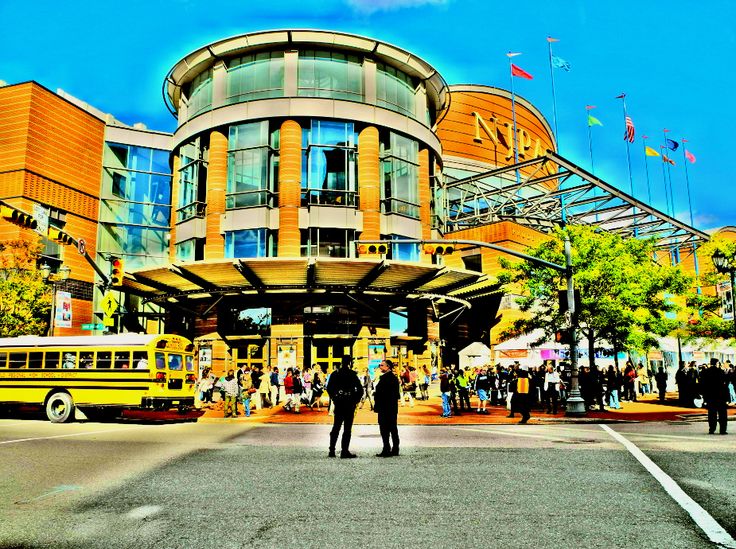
(242, 229)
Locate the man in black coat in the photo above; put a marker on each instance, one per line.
(386, 399)
(715, 394)
(345, 391)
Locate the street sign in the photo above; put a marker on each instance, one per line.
(97, 326)
(81, 246)
(41, 215)
(109, 305)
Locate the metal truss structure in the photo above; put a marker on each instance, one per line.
(549, 190)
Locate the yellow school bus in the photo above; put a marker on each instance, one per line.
(102, 375)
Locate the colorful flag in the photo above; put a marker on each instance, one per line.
(629, 133)
(667, 159)
(521, 73)
(622, 96)
(513, 54)
(650, 151)
(690, 156)
(560, 63)
(593, 121)
(671, 145)
(550, 39)
(589, 107)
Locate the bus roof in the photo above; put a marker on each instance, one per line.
(115, 340)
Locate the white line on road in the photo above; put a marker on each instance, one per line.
(511, 432)
(68, 435)
(702, 518)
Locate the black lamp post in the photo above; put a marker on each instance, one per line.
(725, 265)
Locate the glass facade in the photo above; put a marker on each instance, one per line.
(252, 168)
(192, 181)
(329, 168)
(323, 242)
(403, 252)
(400, 169)
(255, 76)
(395, 90)
(199, 96)
(330, 74)
(135, 206)
(249, 243)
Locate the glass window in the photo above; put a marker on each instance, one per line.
(86, 360)
(52, 360)
(160, 361)
(248, 166)
(192, 180)
(17, 360)
(330, 74)
(3, 359)
(249, 243)
(200, 94)
(140, 359)
(400, 188)
(255, 76)
(322, 242)
(175, 362)
(104, 359)
(329, 167)
(189, 362)
(70, 360)
(404, 252)
(122, 360)
(395, 90)
(35, 360)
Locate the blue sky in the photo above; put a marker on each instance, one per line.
(673, 59)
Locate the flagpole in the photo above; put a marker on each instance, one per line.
(664, 180)
(646, 169)
(690, 206)
(513, 116)
(669, 174)
(554, 98)
(628, 157)
(588, 108)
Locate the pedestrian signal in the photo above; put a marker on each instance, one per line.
(60, 236)
(118, 272)
(17, 217)
(563, 336)
(373, 248)
(438, 249)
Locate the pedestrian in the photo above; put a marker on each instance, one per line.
(289, 389)
(551, 382)
(386, 399)
(715, 392)
(613, 382)
(445, 387)
(231, 390)
(482, 388)
(264, 389)
(275, 386)
(247, 390)
(345, 392)
(520, 401)
(661, 379)
(463, 390)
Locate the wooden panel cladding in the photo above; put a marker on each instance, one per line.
(290, 172)
(369, 183)
(479, 127)
(216, 186)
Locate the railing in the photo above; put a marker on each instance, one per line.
(401, 207)
(191, 211)
(250, 199)
(324, 197)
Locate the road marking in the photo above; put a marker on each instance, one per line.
(53, 492)
(697, 438)
(702, 518)
(68, 435)
(510, 433)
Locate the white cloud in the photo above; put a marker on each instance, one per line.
(372, 6)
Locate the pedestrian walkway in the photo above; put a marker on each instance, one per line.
(647, 408)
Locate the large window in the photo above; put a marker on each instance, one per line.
(192, 180)
(400, 190)
(199, 94)
(252, 168)
(408, 251)
(249, 243)
(328, 163)
(321, 242)
(255, 76)
(330, 74)
(395, 90)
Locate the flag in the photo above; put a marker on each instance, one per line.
(671, 145)
(667, 159)
(589, 107)
(513, 54)
(593, 121)
(550, 39)
(622, 96)
(521, 73)
(629, 133)
(650, 151)
(690, 156)
(560, 63)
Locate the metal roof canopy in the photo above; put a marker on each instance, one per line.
(496, 195)
(183, 286)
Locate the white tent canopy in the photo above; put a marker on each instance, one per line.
(474, 355)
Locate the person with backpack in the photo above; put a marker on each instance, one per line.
(345, 392)
(387, 407)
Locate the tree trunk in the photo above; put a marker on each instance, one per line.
(591, 349)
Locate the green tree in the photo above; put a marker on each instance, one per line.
(625, 295)
(25, 300)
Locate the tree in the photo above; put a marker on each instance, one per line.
(25, 300)
(625, 295)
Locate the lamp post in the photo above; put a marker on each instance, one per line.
(725, 265)
(54, 279)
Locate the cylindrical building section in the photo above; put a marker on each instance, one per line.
(290, 172)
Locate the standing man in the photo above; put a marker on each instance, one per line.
(386, 405)
(661, 379)
(275, 386)
(345, 392)
(715, 393)
(520, 401)
(231, 390)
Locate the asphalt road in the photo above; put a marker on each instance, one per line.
(225, 484)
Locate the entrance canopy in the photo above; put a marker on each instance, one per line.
(394, 283)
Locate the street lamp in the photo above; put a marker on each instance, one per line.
(54, 279)
(725, 265)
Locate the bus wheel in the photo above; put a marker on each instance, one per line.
(60, 408)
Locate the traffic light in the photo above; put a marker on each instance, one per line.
(60, 236)
(18, 217)
(118, 272)
(438, 249)
(563, 336)
(373, 248)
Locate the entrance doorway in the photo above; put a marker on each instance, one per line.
(250, 355)
(328, 353)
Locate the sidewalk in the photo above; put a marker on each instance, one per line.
(647, 408)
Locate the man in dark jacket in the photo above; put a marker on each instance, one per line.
(386, 399)
(345, 392)
(715, 394)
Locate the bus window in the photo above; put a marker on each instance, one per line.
(70, 360)
(86, 360)
(174, 362)
(104, 359)
(122, 359)
(160, 362)
(52, 360)
(3, 360)
(140, 359)
(35, 360)
(189, 361)
(18, 360)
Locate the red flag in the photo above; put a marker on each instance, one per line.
(690, 156)
(629, 134)
(516, 71)
(550, 39)
(667, 159)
